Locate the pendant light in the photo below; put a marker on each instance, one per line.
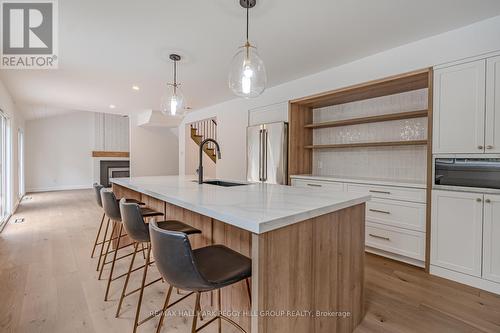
(172, 103)
(247, 77)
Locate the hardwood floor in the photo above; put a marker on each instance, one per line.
(48, 282)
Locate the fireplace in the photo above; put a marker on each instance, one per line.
(113, 169)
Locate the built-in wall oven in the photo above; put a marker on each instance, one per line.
(466, 172)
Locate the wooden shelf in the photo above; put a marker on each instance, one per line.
(371, 119)
(376, 88)
(369, 144)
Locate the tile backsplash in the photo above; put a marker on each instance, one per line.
(401, 162)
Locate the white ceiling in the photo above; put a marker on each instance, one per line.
(105, 47)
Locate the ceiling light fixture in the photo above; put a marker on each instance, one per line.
(136, 88)
(112, 106)
(247, 77)
(172, 103)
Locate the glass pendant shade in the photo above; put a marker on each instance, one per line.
(172, 104)
(247, 77)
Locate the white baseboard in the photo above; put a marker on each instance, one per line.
(466, 279)
(59, 188)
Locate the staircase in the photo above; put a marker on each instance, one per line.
(205, 129)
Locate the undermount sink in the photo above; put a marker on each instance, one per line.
(222, 183)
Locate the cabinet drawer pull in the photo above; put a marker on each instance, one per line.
(489, 147)
(487, 200)
(480, 147)
(315, 185)
(382, 192)
(380, 237)
(379, 211)
(479, 200)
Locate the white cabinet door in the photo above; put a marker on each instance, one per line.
(459, 108)
(491, 238)
(456, 233)
(492, 143)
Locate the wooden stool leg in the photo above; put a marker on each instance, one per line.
(98, 234)
(195, 315)
(124, 291)
(219, 306)
(141, 293)
(107, 248)
(164, 310)
(113, 262)
(102, 245)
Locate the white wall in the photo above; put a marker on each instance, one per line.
(154, 151)
(465, 42)
(58, 152)
(16, 122)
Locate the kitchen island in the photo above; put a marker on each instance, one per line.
(306, 246)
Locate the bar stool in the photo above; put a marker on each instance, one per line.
(138, 231)
(97, 191)
(112, 209)
(200, 270)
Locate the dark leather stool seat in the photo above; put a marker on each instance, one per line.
(178, 226)
(135, 201)
(222, 266)
(148, 212)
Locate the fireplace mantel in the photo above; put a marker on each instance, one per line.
(100, 153)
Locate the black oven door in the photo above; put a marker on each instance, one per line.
(467, 172)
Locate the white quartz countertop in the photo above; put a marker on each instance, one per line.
(365, 180)
(257, 208)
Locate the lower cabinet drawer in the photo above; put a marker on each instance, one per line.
(396, 240)
(408, 215)
(389, 192)
(333, 186)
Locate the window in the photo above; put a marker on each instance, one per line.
(4, 168)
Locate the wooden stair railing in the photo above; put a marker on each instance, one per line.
(202, 130)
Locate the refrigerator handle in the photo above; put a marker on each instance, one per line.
(260, 154)
(264, 164)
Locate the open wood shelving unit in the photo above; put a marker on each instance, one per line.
(301, 126)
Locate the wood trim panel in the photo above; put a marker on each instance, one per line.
(371, 119)
(317, 264)
(96, 153)
(387, 86)
(369, 144)
(430, 181)
(299, 158)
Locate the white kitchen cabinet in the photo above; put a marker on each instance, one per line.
(491, 238)
(492, 136)
(457, 231)
(459, 108)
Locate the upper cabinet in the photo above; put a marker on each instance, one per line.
(492, 138)
(459, 108)
(467, 107)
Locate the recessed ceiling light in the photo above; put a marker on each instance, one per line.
(134, 87)
(112, 106)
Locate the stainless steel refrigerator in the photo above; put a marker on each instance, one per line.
(267, 153)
